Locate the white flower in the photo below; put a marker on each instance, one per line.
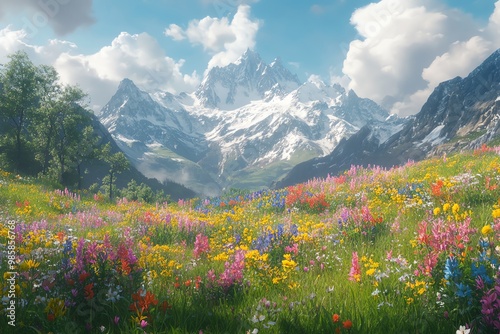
(462, 330)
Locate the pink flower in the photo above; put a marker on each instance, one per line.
(355, 272)
(201, 245)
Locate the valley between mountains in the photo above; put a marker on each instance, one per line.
(252, 125)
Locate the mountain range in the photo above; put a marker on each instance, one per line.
(461, 113)
(247, 125)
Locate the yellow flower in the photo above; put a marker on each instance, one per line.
(288, 264)
(437, 211)
(455, 208)
(29, 264)
(446, 207)
(370, 272)
(56, 307)
(496, 213)
(486, 230)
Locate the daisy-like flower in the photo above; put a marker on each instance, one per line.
(462, 330)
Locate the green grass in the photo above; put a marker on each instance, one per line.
(298, 247)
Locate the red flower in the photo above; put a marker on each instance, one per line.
(83, 276)
(347, 324)
(51, 317)
(88, 292)
(335, 317)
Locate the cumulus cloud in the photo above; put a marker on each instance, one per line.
(175, 32)
(225, 39)
(406, 48)
(138, 57)
(63, 16)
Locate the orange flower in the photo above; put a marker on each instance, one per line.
(142, 301)
(89, 293)
(335, 317)
(347, 324)
(187, 283)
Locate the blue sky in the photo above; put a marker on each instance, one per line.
(392, 51)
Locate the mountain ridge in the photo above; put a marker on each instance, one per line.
(455, 110)
(246, 125)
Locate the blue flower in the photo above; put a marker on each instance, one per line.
(480, 270)
(463, 290)
(451, 270)
(68, 246)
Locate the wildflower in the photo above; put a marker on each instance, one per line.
(55, 308)
(437, 211)
(144, 323)
(462, 330)
(486, 230)
(451, 270)
(347, 324)
(29, 264)
(463, 290)
(89, 293)
(335, 317)
(201, 245)
(355, 272)
(116, 320)
(370, 272)
(113, 296)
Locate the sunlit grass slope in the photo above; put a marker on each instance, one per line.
(413, 249)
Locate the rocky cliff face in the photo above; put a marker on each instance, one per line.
(462, 113)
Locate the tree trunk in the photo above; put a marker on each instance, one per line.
(110, 186)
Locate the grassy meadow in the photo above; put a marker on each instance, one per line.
(413, 249)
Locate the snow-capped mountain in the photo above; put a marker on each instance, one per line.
(245, 126)
(248, 79)
(461, 113)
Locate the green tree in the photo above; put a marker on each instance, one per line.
(118, 163)
(71, 119)
(87, 148)
(19, 98)
(44, 125)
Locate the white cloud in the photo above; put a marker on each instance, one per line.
(175, 32)
(63, 16)
(406, 48)
(458, 61)
(138, 57)
(226, 40)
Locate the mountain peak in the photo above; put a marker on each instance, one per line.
(248, 56)
(127, 85)
(246, 80)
